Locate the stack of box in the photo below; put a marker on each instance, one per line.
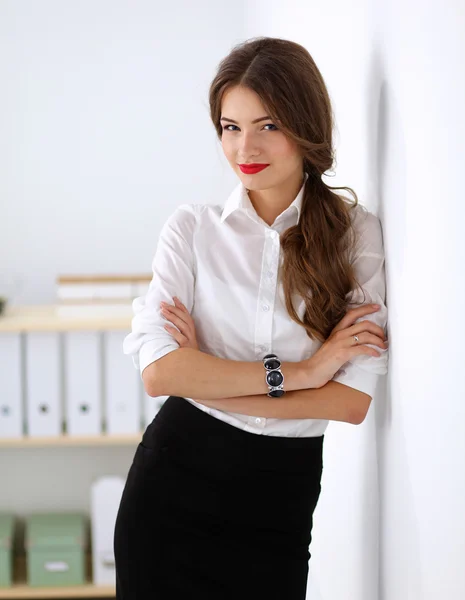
(83, 295)
(57, 544)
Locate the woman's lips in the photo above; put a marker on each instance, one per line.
(252, 168)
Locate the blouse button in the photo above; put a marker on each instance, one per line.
(265, 307)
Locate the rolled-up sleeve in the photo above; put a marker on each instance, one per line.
(173, 269)
(362, 371)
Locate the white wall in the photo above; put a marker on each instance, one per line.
(418, 55)
(105, 130)
(395, 74)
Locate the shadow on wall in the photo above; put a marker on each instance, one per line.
(387, 167)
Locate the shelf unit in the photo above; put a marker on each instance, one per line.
(45, 318)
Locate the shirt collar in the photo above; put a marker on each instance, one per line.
(239, 199)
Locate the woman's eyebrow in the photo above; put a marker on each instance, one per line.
(254, 121)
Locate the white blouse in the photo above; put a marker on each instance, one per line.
(223, 263)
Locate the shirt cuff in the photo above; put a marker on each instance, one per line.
(357, 378)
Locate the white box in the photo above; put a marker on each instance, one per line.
(122, 389)
(83, 382)
(94, 310)
(114, 290)
(43, 384)
(106, 493)
(67, 291)
(11, 408)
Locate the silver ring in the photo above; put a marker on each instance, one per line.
(356, 338)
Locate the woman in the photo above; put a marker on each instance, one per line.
(256, 347)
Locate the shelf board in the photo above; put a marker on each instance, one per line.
(20, 589)
(130, 439)
(82, 591)
(23, 319)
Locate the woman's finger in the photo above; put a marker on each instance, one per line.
(176, 309)
(179, 337)
(178, 313)
(179, 304)
(180, 324)
(181, 317)
(185, 324)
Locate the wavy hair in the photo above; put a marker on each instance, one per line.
(316, 252)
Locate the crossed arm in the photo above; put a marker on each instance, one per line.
(188, 372)
(334, 402)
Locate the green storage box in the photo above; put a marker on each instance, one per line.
(55, 546)
(7, 523)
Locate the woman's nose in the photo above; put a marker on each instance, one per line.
(248, 145)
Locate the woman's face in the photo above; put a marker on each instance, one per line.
(246, 142)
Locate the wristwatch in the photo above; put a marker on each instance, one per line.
(274, 376)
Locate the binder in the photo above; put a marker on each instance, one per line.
(122, 392)
(11, 408)
(43, 384)
(83, 382)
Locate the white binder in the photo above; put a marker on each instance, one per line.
(11, 409)
(106, 493)
(43, 384)
(151, 406)
(122, 389)
(83, 380)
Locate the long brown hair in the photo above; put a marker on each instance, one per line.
(316, 252)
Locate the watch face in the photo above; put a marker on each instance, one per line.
(272, 363)
(274, 378)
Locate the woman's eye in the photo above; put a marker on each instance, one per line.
(267, 125)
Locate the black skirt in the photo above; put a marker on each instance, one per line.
(214, 512)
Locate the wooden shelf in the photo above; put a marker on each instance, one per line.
(20, 589)
(129, 439)
(82, 591)
(46, 318)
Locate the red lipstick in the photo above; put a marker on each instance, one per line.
(252, 168)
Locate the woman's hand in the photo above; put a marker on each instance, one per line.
(180, 316)
(340, 346)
